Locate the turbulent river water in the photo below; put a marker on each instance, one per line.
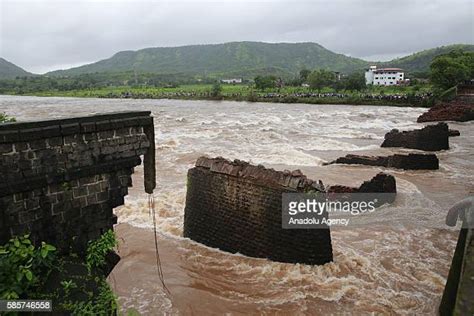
(389, 269)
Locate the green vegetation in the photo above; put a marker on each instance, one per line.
(6, 119)
(236, 59)
(355, 81)
(82, 295)
(265, 82)
(450, 69)
(104, 304)
(278, 73)
(304, 73)
(10, 71)
(32, 85)
(196, 91)
(216, 91)
(76, 285)
(447, 95)
(98, 249)
(161, 65)
(23, 266)
(248, 60)
(68, 286)
(287, 94)
(321, 78)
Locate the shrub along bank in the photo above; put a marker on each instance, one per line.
(75, 283)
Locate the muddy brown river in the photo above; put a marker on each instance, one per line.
(384, 269)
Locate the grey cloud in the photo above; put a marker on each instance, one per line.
(46, 35)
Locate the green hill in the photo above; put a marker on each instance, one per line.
(247, 60)
(243, 59)
(9, 70)
(420, 62)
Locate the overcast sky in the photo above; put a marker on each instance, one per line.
(43, 35)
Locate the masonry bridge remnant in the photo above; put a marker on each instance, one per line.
(60, 179)
(236, 207)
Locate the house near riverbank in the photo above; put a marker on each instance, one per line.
(384, 76)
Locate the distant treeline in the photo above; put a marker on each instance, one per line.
(32, 84)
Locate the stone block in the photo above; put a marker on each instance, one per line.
(9, 136)
(80, 191)
(6, 148)
(70, 129)
(103, 126)
(20, 146)
(107, 134)
(88, 127)
(429, 138)
(51, 131)
(30, 134)
(236, 207)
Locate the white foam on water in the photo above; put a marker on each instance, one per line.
(136, 301)
(393, 270)
(268, 154)
(405, 186)
(327, 144)
(355, 277)
(352, 134)
(169, 208)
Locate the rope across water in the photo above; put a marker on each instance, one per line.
(151, 208)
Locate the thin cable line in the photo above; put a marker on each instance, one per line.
(159, 269)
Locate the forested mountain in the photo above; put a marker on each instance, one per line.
(10, 71)
(237, 59)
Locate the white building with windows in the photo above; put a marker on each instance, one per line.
(384, 76)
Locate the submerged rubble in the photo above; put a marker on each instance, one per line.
(429, 138)
(406, 162)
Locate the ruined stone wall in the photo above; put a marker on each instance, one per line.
(429, 138)
(61, 179)
(236, 207)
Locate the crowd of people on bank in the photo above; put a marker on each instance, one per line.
(419, 97)
(272, 95)
(392, 97)
(305, 95)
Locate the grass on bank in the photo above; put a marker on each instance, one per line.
(249, 93)
(228, 90)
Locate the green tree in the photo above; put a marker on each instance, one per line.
(216, 90)
(265, 82)
(355, 81)
(295, 82)
(450, 69)
(304, 73)
(321, 78)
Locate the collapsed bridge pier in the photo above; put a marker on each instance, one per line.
(236, 207)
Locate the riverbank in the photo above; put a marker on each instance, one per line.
(381, 96)
(281, 99)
